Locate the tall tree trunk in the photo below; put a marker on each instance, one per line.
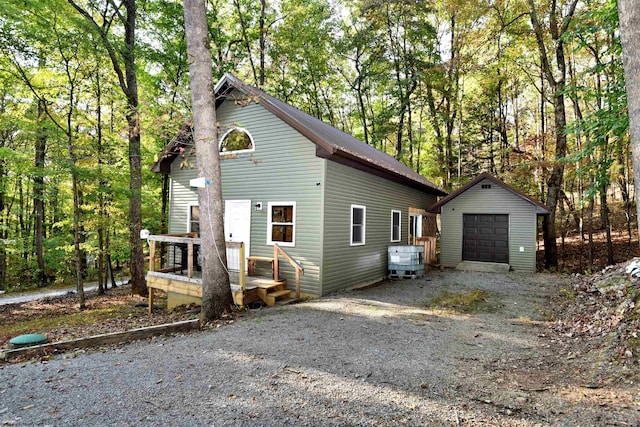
(216, 291)
(263, 39)
(3, 224)
(102, 220)
(563, 229)
(23, 230)
(245, 40)
(543, 134)
(128, 83)
(590, 217)
(38, 196)
(138, 284)
(557, 83)
(164, 222)
(554, 183)
(109, 263)
(629, 14)
(76, 227)
(357, 86)
(75, 191)
(606, 224)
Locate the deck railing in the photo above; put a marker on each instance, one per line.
(277, 250)
(173, 240)
(236, 260)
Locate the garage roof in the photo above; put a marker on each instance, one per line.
(541, 209)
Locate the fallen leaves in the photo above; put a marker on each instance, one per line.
(601, 309)
(59, 319)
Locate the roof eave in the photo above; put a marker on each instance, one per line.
(371, 167)
(541, 209)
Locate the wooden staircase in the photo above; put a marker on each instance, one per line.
(270, 290)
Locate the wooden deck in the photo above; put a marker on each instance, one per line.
(256, 288)
(188, 287)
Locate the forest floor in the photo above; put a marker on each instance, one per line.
(60, 319)
(573, 251)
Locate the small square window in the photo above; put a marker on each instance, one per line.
(486, 186)
(358, 225)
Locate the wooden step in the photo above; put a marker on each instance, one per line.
(271, 285)
(270, 289)
(265, 282)
(271, 297)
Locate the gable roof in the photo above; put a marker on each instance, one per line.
(331, 143)
(541, 209)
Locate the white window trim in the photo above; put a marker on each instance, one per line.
(189, 206)
(241, 129)
(270, 224)
(399, 213)
(364, 226)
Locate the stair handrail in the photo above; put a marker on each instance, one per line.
(277, 250)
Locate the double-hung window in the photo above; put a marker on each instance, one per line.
(281, 226)
(396, 225)
(358, 224)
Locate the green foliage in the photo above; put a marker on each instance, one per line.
(605, 127)
(450, 87)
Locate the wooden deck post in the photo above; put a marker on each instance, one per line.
(276, 273)
(151, 290)
(297, 284)
(189, 260)
(242, 262)
(152, 255)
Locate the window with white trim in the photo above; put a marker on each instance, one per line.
(281, 225)
(193, 219)
(396, 225)
(236, 140)
(358, 225)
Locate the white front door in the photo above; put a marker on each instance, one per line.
(237, 228)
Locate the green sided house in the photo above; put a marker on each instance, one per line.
(332, 203)
(488, 221)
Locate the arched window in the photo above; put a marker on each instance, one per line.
(236, 140)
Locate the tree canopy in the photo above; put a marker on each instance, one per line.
(532, 92)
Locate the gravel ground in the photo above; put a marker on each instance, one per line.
(372, 357)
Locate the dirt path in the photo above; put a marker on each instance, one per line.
(379, 356)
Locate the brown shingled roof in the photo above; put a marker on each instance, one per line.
(331, 143)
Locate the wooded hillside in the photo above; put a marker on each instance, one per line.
(531, 91)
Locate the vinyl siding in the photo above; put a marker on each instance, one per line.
(495, 200)
(344, 265)
(282, 168)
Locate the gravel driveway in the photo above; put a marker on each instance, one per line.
(376, 356)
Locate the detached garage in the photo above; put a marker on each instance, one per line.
(487, 220)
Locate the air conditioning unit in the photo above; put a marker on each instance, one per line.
(406, 261)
